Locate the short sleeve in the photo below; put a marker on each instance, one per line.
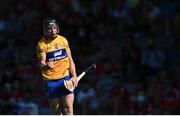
(40, 50)
(66, 45)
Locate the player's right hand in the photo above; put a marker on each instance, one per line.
(50, 64)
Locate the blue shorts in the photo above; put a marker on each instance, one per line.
(56, 88)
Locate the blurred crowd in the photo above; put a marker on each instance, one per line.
(134, 43)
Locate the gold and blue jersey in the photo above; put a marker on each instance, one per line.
(56, 51)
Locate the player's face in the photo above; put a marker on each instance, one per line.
(52, 30)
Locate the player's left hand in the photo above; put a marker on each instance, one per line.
(74, 81)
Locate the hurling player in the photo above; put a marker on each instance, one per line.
(56, 64)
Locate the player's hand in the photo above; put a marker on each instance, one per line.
(74, 81)
(50, 64)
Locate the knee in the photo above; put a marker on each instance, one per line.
(68, 110)
(56, 109)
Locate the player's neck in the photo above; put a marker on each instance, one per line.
(50, 38)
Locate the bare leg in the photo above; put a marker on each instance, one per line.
(56, 106)
(67, 102)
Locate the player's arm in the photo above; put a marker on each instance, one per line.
(42, 59)
(72, 68)
(45, 65)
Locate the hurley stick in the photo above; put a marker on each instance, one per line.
(68, 83)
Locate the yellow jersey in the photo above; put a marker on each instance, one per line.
(55, 51)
